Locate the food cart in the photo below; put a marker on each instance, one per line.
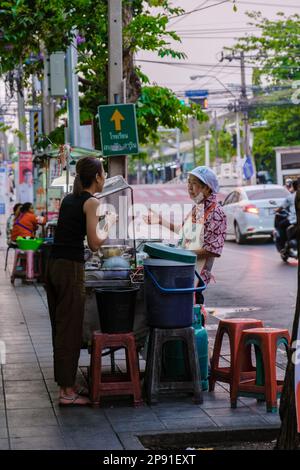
(100, 269)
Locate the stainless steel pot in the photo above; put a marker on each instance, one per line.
(107, 251)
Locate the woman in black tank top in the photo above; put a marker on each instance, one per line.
(65, 274)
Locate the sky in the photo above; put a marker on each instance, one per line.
(204, 33)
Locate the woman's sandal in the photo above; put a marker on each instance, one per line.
(81, 390)
(73, 400)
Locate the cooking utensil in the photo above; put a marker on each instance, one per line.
(107, 251)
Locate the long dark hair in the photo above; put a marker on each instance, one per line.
(25, 207)
(86, 170)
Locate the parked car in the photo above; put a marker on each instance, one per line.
(250, 210)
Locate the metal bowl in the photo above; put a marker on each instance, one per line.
(107, 251)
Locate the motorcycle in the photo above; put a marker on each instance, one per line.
(290, 248)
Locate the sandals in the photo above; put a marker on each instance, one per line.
(81, 390)
(73, 400)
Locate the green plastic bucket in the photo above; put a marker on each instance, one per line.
(173, 356)
(29, 243)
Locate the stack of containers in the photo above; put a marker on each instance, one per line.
(169, 300)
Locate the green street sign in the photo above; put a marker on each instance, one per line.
(118, 129)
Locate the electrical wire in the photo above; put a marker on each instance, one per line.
(199, 9)
(198, 6)
(263, 4)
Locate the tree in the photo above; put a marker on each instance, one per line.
(31, 26)
(276, 56)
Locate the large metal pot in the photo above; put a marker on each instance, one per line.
(107, 251)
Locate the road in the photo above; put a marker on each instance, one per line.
(253, 275)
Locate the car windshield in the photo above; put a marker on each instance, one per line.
(268, 193)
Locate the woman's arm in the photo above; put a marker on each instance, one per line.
(202, 253)
(153, 218)
(90, 209)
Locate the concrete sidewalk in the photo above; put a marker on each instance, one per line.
(30, 417)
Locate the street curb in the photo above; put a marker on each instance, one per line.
(191, 438)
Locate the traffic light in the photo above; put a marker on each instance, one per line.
(203, 101)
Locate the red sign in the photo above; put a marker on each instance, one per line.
(25, 189)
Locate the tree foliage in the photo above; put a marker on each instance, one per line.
(275, 49)
(274, 54)
(31, 27)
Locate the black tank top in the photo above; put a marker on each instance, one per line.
(71, 228)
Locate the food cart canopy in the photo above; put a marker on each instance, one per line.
(61, 181)
(113, 185)
(76, 153)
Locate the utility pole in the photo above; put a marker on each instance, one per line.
(21, 112)
(192, 127)
(207, 150)
(216, 135)
(48, 107)
(238, 142)
(116, 165)
(73, 94)
(243, 105)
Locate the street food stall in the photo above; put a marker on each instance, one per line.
(115, 264)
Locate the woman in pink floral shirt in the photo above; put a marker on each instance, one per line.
(204, 229)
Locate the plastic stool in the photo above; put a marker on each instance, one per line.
(153, 380)
(112, 384)
(10, 246)
(233, 327)
(265, 385)
(24, 265)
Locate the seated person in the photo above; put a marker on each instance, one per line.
(10, 221)
(26, 223)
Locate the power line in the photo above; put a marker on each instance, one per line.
(195, 64)
(199, 9)
(198, 6)
(259, 4)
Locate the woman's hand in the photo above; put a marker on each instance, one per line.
(153, 218)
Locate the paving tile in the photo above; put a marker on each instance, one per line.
(100, 441)
(78, 416)
(140, 413)
(240, 421)
(38, 443)
(2, 419)
(203, 422)
(19, 358)
(4, 444)
(48, 372)
(35, 431)
(240, 411)
(21, 372)
(3, 430)
(272, 418)
(31, 417)
(15, 401)
(130, 441)
(22, 386)
(138, 425)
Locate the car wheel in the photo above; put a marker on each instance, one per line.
(239, 238)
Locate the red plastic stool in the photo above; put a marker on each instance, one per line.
(233, 327)
(264, 386)
(27, 264)
(111, 384)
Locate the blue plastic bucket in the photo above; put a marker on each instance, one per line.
(169, 293)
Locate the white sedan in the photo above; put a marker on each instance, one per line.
(250, 210)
